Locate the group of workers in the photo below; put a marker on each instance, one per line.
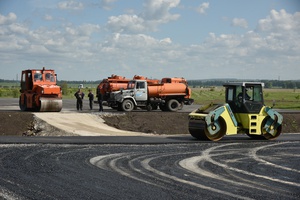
(80, 95)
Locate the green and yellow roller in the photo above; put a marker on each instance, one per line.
(243, 112)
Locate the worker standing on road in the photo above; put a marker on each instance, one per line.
(79, 96)
(91, 99)
(100, 99)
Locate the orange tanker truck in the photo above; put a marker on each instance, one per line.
(169, 95)
(39, 91)
(115, 83)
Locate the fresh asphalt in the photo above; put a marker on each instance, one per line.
(147, 167)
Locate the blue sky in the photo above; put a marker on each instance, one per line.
(92, 39)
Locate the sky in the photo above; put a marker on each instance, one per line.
(88, 40)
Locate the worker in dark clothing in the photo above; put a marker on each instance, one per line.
(100, 99)
(91, 99)
(79, 96)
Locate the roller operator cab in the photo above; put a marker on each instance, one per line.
(243, 112)
(39, 91)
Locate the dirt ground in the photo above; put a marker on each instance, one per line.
(24, 123)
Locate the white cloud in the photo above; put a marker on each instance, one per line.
(106, 4)
(48, 17)
(155, 12)
(239, 22)
(158, 10)
(70, 5)
(126, 23)
(280, 21)
(11, 17)
(17, 28)
(166, 41)
(203, 7)
(129, 50)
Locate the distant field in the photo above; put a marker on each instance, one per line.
(284, 98)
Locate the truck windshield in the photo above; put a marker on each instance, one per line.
(49, 77)
(131, 85)
(38, 76)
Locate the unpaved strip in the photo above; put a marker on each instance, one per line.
(83, 124)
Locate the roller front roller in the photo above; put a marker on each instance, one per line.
(50, 105)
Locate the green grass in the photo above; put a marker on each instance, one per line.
(283, 98)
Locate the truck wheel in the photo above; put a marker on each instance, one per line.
(149, 107)
(180, 106)
(127, 105)
(173, 105)
(163, 107)
(154, 107)
(119, 107)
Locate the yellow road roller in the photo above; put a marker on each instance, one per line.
(243, 113)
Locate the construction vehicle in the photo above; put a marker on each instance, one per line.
(111, 84)
(39, 91)
(115, 83)
(243, 112)
(141, 94)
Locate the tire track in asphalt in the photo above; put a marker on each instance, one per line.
(253, 153)
(193, 168)
(111, 160)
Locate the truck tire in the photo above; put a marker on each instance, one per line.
(127, 105)
(173, 105)
(163, 107)
(149, 107)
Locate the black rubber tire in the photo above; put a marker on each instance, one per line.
(127, 105)
(196, 129)
(149, 107)
(163, 107)
(173, 105)
(23, 107)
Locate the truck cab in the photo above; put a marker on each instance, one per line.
(139, 89)
(136, 94)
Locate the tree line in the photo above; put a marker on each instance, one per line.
(286, 84)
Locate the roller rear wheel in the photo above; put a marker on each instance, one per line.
(271, 132)
(23, 106)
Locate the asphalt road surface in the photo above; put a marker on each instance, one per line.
(136, 167)
(228, 170)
